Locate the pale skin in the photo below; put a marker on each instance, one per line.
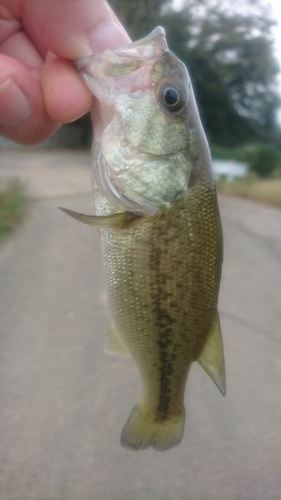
(39, 39)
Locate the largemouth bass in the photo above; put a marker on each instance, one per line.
(156, 207)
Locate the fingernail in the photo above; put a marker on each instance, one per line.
(108, 36)
(14, 106)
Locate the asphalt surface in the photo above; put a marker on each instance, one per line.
(63, 401)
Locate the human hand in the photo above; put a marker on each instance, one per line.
(39, 87)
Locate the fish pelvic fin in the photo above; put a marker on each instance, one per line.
(211, 357)
(143, 430)
(122, 220)
(114, 344)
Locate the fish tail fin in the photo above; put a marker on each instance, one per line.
(143, 430)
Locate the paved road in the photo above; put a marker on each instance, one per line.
(64, 402)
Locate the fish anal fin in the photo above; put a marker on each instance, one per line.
(121, 220)
(211, 357)
(114, 344)
(144, 429)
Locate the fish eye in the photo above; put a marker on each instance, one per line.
(172, 97)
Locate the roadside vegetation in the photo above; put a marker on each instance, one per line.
(263, 183)
(12, 206)
(264, 190)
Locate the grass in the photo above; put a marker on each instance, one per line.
(12, 206)
(267, 191)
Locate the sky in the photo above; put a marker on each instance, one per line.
(276, 4)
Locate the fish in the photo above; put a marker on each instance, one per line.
(157, 213)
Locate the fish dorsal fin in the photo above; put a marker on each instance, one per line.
(211, 357)
(114, 344)
(122, 220)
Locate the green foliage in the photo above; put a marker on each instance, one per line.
(263, 190)
(239, 153)
(264, 160)
(12, 205)
(227, 48)
(235, 50)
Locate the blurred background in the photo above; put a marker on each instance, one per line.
(63, 402)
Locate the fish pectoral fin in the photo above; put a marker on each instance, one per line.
(122, 220)
(211, 357)
(114, 344)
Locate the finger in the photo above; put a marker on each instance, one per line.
(66, 96)
(23, 116)
(20, 47)
(9, 25)
(73, 29)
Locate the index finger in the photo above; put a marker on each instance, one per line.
(73, 29)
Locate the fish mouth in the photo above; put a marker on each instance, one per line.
(97, 70)
(157, 35)
(148, 47)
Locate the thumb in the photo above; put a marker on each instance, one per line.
(73, 28)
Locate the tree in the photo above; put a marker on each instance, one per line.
(229, 53)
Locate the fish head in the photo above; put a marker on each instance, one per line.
(148, 139)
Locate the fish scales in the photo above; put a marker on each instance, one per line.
(156, 208)
(169, 297)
